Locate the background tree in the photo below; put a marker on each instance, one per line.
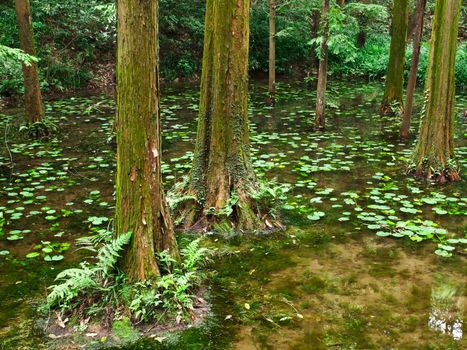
(272, 49)
(323, 69)
(141, 207)
(393, 91)
(418, 32)
(32, 91)
(434, 152)
(314, 18)
(222, 183)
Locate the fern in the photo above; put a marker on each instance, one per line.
(99, 285)
(87, 277)
(193, 255)
(74, 280)
(109, 253)
(91, 242)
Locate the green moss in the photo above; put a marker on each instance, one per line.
(313, 284)
(393, 92)
(124, 330)
(419, 299)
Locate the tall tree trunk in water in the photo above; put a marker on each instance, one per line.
(220, 190)
(141, 207)
(323, 70)
(272, 50)
(32, 91)
(433, 157)
(314, 27)
(393, 92)
(419, 14)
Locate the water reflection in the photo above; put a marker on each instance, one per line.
(446, 309)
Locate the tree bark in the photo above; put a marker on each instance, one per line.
(393, 92)
(222, 181)
(141, 207)
(32, 91)
(272, 50)
(323, 70)
(419, 15)
(433, 157)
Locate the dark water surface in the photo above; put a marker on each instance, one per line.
(359, 267)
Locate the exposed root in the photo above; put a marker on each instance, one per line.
(245, 211)
(440, 177)
(391, 109)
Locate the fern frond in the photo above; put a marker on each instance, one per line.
(193, 255)
(109, 253)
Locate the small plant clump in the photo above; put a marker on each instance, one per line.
(43, 128)
(99, 291)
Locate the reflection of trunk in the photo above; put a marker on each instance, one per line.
(322, 73)
(272, 49)
(32, 92)
(393, 92)
(222, 182)
(419, 14)
(314, 27)
(434, 153)
(140, 202)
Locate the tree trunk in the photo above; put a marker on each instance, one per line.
(314, 27)
(222, 182)
(433, 157)
(361, 39)
(405, 127)
(32, 91)
(323, 70)
(141, 207)
(393, 92)
(272, 49)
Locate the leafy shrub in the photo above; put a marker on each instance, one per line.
(70, 36)
(89, 289)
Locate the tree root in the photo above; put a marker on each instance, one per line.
(440, 177)
(244, 214)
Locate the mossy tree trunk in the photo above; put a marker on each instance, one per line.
(222, 180)
(319, 123)
(418, 32)
(32, 91)
(393, 91)
(272, 49)
(141, 207)
(433, 157)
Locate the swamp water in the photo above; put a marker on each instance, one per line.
(371, 259)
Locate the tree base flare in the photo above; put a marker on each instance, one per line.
(440, 177)
(391, 109)
(245, 210)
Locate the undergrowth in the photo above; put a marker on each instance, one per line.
(99, 291)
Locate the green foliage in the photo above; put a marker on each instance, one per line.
(43, 128)
(270, 195)
(89, 278)
(74, 37)
(173, 294)
(170, 296)
(8, 55)
(181, 37)
(70, 37)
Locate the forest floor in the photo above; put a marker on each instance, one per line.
(371, 259)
